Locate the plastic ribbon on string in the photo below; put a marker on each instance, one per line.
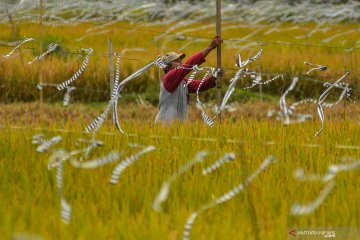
(113, 94)
(228, 157)
(328, 179)
(127, 162)
(17, 47)
(196, 69)
(56, 160)
(98, 121)
(67, 95)
(87, 150)
(46, 144)
(283, 108)
(51, 48)
(257, 81)
(77, 74)
(316, 67)
(322, 99)
(95, 163)
(205, 117)
(225, 197)
(165, 188)
(241, 64)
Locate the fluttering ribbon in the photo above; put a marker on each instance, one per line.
(127, 162)
(328, 179)
(241, 64)
(322, 99)
(165, 187)
(77, 74)
(95, 163)
(67, 95)
(316, 67)
(228, 157)
(45, 144)
(98, 121)
(51, 48)
(14, 49)
(282, 102)
(196, 69)
(258, 81)
(225, 197)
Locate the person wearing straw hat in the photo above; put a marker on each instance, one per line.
(174, 86)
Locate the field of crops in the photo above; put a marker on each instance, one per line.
(279, 156)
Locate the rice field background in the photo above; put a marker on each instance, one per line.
(288, 34)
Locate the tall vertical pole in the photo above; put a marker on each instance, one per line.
(218, 53)
(111, 65)
(41, 43)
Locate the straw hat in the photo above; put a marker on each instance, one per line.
(171, 56)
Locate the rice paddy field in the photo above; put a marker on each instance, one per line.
(310, 184)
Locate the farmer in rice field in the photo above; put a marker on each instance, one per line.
(173, 99)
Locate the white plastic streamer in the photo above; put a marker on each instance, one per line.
(258, 78)
(196, 70)
(98, 121)
(46, 144)
(67, 95)
(328, 179)
(165, 188)
(14, 49)
(56, 160)
(322, 99)
(113, 94)
(316, 67)
(127, 162)
(77, 74)
(205, 117)
(51, 48)
(38, 138)
(298, 209)
(110, 158)
(283, 101)
(241, 64)
(226, 197)
(228, 157)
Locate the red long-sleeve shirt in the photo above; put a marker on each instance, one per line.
(174, 77)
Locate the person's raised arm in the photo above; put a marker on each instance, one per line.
(213, 44)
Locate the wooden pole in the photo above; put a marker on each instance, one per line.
(111, 65)
(40, 38)
(218, 54)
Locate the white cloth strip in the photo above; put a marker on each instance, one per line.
(113, 95)
(228, 157)
(283, 101)
(210, 122)
(165, 187)
(316, 67)
(110, 158)
(67, 95)
(51, 48)
(127, 162)
(38, 138)
(258, 78)
(48, 143)
(322, 98)
(14, 49)
(226, 197)
(97, 122)
(65, 210)
(241, 64)
(298, 209)
(77, 74)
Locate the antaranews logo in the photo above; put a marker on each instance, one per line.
(293, 233)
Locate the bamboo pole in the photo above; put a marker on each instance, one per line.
(111, 65)
(41, 42)
(218, 54)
